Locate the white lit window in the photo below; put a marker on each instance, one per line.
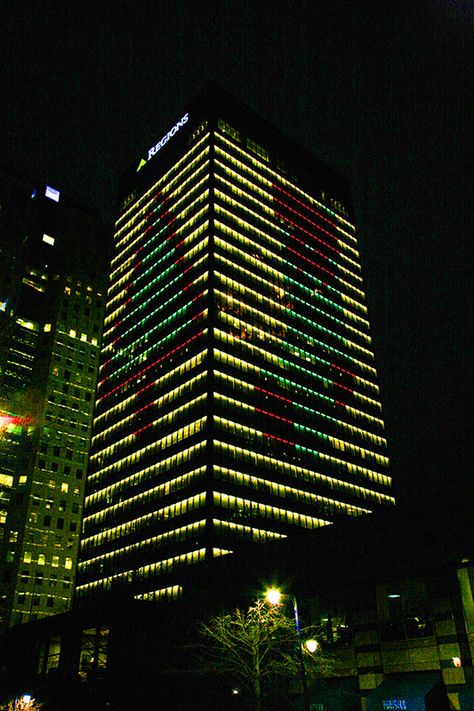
(83, 337)
(68, 563)
(48, 239)
(72, 333)
(52, 193)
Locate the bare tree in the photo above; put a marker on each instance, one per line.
(257, 645)
(23, 703)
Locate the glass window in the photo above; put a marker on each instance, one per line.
(94, 650)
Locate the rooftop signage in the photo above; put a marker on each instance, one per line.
(154, 149)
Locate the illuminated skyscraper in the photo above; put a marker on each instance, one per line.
(237, 397)
(52, 278)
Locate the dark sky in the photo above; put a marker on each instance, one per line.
(376, 89)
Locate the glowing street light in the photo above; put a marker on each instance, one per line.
(311, 645)
(274, 596)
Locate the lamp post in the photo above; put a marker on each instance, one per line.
(273, 596)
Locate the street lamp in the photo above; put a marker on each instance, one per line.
(274, 596)
(311, 645)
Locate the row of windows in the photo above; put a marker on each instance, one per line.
(168, 377)
(141, 206)
(251, 254)
(171, 418)
(276, 326)
(271, 212)
(36, 578)
(321, 503)
(114, 491)
(38, 600)
(241, 386)
(172, 592)
(147, 276)
(261, 463)
(238, 407)
(249, 533)
(257, 353)
(289, 385)
(271, 255)
(55, 561)
(285, 293)
(169, 440)
(252, 435)
(152, 543)
(266, 170)
(158, 404)
(152, 315)
(160, 568)
(163, 222)
(245, 508)
(172, 511)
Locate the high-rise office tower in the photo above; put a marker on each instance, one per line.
(237, 397)
(53, 274)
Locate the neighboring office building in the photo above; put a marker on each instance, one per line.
(237, 398)
(54, 275)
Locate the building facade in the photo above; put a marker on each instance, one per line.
(54, 270)
(237, 398)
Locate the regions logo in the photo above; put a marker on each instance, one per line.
(154, 149)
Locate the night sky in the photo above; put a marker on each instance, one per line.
(375, 89)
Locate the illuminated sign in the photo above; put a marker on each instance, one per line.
(394, 704)
(154, 149)
(52, 193)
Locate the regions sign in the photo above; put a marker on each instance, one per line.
(154, 149)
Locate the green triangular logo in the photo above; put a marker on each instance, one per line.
(141, 164)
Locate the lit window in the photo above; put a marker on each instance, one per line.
(72, 333)
(47, 327)
(41, 559)
(94, 341)
(27, 557)
(64, 487)
(52, 193)
(68, 563)
(48, 239)
(27, 324)
(55, 561)
(22, 480)
(83, 337)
